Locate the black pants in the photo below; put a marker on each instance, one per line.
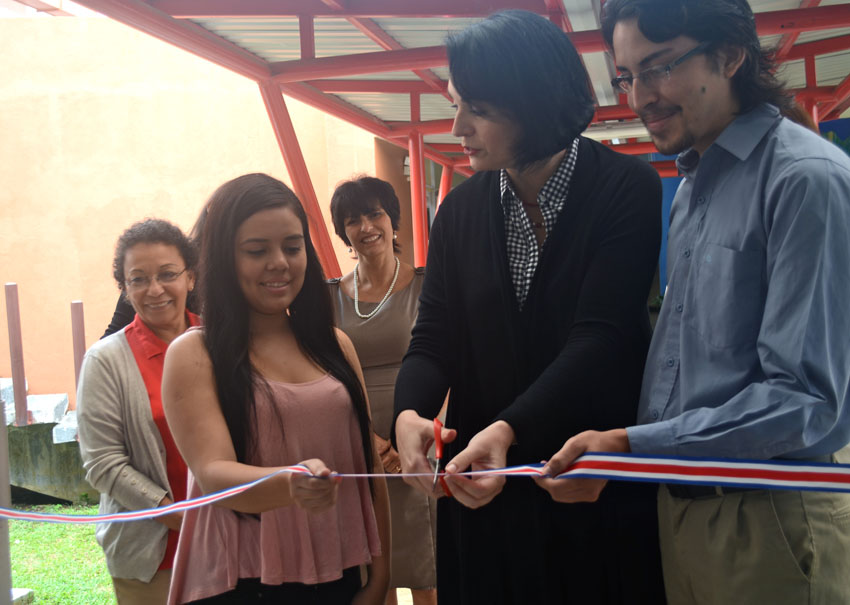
(251, 590)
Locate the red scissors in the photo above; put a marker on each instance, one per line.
(438, 455)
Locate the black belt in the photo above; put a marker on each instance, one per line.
(694, 492)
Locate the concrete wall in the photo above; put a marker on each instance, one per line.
(100, 126)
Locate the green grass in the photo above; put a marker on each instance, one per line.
(62, 564)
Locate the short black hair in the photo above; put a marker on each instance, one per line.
(524, 65)
(152, 231)
(357, 197)
(720, 23)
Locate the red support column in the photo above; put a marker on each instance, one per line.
(417, 199)
(417, 187)
(306, 33)
(445, 183)
(291, 150)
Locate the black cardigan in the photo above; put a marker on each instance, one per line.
(569, 361)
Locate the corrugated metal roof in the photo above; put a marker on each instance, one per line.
(277, 39)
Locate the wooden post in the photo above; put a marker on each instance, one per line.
(78, 331)
(6, 502)
(16, 354)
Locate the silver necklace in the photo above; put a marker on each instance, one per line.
(383, 300)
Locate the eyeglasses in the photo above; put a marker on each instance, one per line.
(143, 282)
(653, 76)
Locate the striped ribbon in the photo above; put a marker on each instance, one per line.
(757, 474)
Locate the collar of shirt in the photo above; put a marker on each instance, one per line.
(739, 138)
(554, 192)
(151, 344)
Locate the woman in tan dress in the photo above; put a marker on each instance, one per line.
(376, 306)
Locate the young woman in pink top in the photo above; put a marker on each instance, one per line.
(269, 382)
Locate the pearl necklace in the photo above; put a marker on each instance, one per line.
(383, 300)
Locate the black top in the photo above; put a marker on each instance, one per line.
(571, 360)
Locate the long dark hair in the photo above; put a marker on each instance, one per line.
(720, 23)
(226, 312)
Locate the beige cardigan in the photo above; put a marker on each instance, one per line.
(123, 456)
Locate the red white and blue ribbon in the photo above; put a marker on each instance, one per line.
(756, 474)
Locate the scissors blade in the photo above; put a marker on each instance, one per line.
(438, 450)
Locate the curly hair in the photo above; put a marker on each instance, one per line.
(152, 231)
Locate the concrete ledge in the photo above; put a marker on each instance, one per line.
(66, 430)
(35, 463)
(22, 596)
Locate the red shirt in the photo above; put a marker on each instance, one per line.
(149, 353)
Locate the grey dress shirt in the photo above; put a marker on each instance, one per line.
(751, 354)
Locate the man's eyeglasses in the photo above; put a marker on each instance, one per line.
(143, 282)
(653, 76)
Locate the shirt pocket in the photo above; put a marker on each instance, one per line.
(728, 296)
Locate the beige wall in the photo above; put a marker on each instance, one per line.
(100, 126)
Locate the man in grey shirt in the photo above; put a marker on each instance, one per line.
(750, 358)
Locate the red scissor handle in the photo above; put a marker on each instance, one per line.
(438, 439)
(438, 453)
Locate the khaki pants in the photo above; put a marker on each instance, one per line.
(761, 547)
(136, 592)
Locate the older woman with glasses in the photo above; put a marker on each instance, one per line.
(126, 446)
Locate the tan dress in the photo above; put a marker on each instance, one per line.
(381, 341)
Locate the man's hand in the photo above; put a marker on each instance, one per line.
(486, 450)
(581, 490)
(414, 436)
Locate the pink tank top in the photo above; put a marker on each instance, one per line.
(217, 547)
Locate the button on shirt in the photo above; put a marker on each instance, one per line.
(522, 248)
(750, 356)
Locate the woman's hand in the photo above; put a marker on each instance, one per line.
(414, 436)
(389, 456)
(172, 521)
(486, 450)
(370, 594)
(317, 492)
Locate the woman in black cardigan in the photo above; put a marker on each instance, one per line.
(533, 314)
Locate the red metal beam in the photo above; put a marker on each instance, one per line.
(43, 7)
(375, 33)
(819, 94)
(635, 148)
(446, 178)
(614, 112)
(429, 127)
(183, 34)
(833, 110)
(447, 147)
(297, 167)
(666, 168)
(337, 5)
(419, 212)
(818, 47)
(363, 63)
(798, 20)
(337, 107)
(307, 34)
(787, 42)
(191, 9)
(811, 72)
(373, 86)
